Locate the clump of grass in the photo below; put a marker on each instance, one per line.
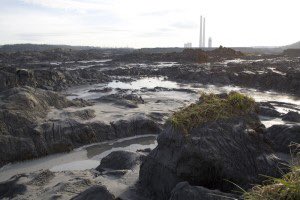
(212, 107)
(285, 188)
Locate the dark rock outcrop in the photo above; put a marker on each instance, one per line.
(9, 189)
(95, 193)
(292, 52)
(266, 109)
(119, 160)
(184, 191)
(139, 125)
(284, 137)
(126, 100)
(81, 114)
(291, 116)
(49, 79)
(21, 111)
(104, 90)
(222, 53)
(187, 55)
(209, 155)
(26, 133)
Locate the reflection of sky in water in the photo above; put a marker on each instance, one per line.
(144, 83)
(86, 157)
(95, 150)
(82, 92)
(98, 151)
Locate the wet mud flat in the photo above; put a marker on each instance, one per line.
(116, 99)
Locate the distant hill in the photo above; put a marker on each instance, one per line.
(39, 47)
(292, 46)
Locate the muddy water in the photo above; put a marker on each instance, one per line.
(83, 158)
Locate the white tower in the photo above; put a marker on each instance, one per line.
(200, 39)
(204, 33)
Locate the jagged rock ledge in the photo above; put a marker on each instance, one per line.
(26, 132)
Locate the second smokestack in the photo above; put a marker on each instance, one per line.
(203, 40)
(202, 32)
(200, 39)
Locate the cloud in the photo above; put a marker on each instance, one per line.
(77, 5)
(148, 23)
(159, 13)
(184, 25)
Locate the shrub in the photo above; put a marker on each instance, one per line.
(212, 107)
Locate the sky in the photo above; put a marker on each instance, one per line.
(149, 23)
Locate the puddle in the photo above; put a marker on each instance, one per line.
(144, 83)
(86, 157)
(94, 61)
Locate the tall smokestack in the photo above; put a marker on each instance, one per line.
(200, 39)
(203, 33)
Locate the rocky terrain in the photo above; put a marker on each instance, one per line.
(26, 132)
(212, 154)
(95, 101)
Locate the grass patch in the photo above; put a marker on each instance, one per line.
(285, 188)
(211, 107)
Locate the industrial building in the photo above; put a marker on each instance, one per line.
(188, 45)
(210, 42)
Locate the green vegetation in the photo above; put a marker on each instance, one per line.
(212, 107)
(285, 188)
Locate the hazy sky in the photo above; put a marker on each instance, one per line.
(149, 23)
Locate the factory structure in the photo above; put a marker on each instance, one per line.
(209, 42)
(188, 45)
(202, 41)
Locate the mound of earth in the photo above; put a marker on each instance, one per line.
(187, 55)
(223, 53)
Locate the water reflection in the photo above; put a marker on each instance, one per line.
(96, 150)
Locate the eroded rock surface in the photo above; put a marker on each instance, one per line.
(209, 155)
(119, 160)
(49, 79)
(27, 133)
(284, 137)
(292, 117)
